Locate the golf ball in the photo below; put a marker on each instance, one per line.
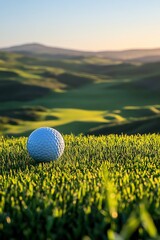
(45, 144)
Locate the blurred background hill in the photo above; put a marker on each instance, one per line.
(90, 92)
(140, 55)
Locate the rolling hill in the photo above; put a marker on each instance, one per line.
(77, 92)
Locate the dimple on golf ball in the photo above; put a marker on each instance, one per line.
(45, 144)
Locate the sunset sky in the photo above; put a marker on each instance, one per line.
(81, 24)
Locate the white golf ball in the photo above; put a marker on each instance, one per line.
(45, 144)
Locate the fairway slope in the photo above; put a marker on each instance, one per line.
(146, 125)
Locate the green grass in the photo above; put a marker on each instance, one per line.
(103, 187)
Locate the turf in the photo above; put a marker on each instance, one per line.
(103, 187)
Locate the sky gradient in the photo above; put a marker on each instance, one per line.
(84, 25)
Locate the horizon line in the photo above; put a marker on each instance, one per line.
(80, 50)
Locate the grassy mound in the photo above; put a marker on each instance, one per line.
(102, 188)
(27, 113)
(145, 125)
(7, 74)
(73, 81)
(11, 90)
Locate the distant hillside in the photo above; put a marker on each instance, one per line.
(140, 55)
(146, 59)
(36, 48)
(132, 54)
